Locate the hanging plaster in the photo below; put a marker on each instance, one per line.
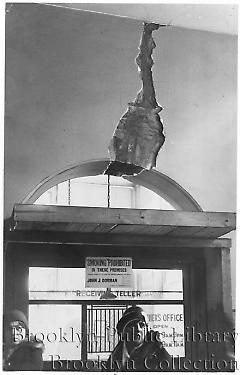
(139, 136)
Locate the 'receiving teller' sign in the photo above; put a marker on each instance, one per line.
(108, 272)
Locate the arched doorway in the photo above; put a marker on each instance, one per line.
(153, 180)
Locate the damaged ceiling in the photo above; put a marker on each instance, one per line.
(219, 18)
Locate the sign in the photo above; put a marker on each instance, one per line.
(92, 293)
(168, 320)
(108, 272)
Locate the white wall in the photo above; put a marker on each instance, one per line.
(70, 75)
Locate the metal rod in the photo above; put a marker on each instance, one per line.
(69, 192)
(108, 194)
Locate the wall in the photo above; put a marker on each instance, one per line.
(204, 302)
(70, 75)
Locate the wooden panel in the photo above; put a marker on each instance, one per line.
(226, 284)
(214, 296)
(55, 226)
(185, 231)
(154, 230)
(198, 316)
(211, 232)
(114, 239)
(122, 221)
(44, 213)
(143, 229)
(104, 228)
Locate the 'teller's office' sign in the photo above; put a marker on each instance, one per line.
(108, 272)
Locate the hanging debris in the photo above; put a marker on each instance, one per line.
(139, 134)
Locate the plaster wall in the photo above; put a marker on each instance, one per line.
(70, 75)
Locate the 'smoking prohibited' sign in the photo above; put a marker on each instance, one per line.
(108, 272)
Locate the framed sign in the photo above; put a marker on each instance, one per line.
(108, 272)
